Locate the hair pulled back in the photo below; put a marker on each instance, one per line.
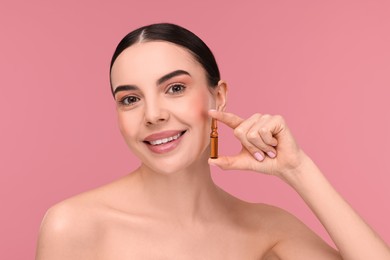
(175, 34)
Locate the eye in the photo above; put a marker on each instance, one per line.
(176, 88)
(128, 101)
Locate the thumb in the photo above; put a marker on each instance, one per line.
(226, 162)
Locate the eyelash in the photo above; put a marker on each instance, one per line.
(177, 85)
(123, 101)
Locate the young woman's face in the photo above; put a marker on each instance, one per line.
(162, 100)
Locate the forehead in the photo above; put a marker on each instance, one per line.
(147, 61)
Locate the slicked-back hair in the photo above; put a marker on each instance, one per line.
(174, 34)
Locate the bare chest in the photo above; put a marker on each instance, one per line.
(176, 242)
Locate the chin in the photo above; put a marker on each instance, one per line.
(167, 166)
(175, 164)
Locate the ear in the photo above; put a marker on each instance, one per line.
(221, 95)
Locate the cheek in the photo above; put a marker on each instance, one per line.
(197, 108)
(126, 126)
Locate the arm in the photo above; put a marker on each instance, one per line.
(269, 147)
(353, 237)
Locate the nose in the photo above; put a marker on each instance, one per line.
(155, 113)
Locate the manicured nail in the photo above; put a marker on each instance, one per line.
(258, 156)
(271, 154)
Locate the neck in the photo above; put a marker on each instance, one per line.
(187, 196)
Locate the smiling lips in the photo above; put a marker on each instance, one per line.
(164, 141)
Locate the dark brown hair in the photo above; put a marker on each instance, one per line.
(175, 34)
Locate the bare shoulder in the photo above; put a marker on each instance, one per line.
(70, 229)
(282, 235)
(264, 217)
(67, 230)
(292, 238)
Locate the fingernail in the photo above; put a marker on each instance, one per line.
(271, 154)
(258, 156)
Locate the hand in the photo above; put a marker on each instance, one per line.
(267, 144)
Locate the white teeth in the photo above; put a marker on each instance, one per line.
(165, 140)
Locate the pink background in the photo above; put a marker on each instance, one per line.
(323, 65)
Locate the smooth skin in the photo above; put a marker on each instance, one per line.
(170, 208)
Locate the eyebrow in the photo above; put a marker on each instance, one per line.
(171, 75)
(159, 81)
(124, 88)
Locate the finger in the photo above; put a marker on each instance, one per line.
(229, 163)
(260, 135)
(267, 137)
(277, 125)
(255, 137)
(228, 119)
(269, 132)
(240, 127)
(242, 131)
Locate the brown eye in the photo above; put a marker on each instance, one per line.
(129, 100)
(176, 89)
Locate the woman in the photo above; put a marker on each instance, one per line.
(167, 87)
